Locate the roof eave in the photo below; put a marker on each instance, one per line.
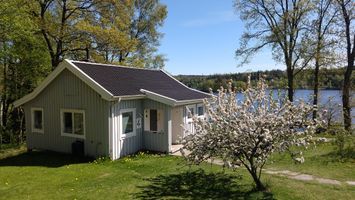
(172, 77)
(167, 100)
(129, 97)
(187, 102)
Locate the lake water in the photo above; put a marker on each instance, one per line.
(324, 95)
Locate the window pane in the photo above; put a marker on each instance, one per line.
(127, 122)
(38, 124)
(153, 120)
(79, 123)
(67, 122)
(200, 110)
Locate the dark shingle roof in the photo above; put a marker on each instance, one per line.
(121, 81)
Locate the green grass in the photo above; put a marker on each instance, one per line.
(320, 160)
(46, 175)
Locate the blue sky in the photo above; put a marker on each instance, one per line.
(201, 36)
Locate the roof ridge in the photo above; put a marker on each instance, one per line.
(112, 65)
(181, 83)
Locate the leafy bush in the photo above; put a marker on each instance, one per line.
(344, 145)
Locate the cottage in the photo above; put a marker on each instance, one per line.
(110, 110)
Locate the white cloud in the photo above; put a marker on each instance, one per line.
(213, 18)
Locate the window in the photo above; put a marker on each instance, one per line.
(73, 123)
(37, 120)
(153, 120)
(190, 111)
(200, 110)
(128, 122)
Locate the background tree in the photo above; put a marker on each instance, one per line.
(24, 64)
(57, 22)
(321, 39)
(126, 32)
(347, 33)
(330, 78)
(248, 132)
(277, 24)
(36, 35)
(149, 16)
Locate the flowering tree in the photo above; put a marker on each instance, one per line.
(247, 132)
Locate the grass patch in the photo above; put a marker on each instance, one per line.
(11, 150)
(321, 160)
(47, 175)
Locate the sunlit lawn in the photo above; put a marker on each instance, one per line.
(320, 160)
(45, 175)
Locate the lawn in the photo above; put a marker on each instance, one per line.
(46, 175)
(320, 160)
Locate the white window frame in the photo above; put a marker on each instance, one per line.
(203, 110)
(62, 111)
(160, 122)
(133, 133)
(35, 130)
(157, 122)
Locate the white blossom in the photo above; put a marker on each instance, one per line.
(248, 132)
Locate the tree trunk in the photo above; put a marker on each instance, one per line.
(347, 83)
(346, 95)
(350, 53)
(55, 62)
(254, 173)
(290, 85)
(259, 185)
(87, 54)
(316, 90)
(20, 116)
(4, 96)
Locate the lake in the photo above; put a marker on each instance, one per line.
(324, 95)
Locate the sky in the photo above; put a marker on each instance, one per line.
(201, 36)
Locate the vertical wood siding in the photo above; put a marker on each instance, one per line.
(125, 146)
(178, 123)
(157, 141)
(101, 121)
(69, 92)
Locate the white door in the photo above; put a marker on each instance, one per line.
(127, 129)
(188, 119)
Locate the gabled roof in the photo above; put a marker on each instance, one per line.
(115, 82)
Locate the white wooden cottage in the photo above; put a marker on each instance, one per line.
(111, 110)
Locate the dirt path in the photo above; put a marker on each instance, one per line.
(307, 177)
(290, 174)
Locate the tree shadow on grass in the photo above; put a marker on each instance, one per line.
(199, 185)
(43, 158)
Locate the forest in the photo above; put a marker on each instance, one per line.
(329, 79)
